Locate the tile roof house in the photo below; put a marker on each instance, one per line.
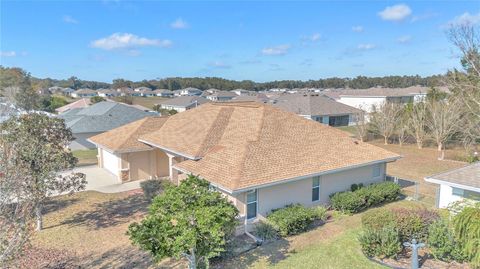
(319, 108)
(457, 184)
(259, 156)
(84, 102)
(188, 92)
(98, 118)
(163, 93)
(182, 103)
(83, 93)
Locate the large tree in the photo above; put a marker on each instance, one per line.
(191, 221)
(40, 151)
(417, 122)
(465, 84)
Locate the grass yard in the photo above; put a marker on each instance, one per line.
(92, 226)
(147, 102)
(86, 157)
(416, 164)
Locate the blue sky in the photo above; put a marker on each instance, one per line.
(261, 41)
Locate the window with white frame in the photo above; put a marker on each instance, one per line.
(315, 188)
(466, 194)
(377, 170)
(252, 204)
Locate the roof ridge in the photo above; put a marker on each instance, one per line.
(247, 146)
(127, 136)
(212, 137)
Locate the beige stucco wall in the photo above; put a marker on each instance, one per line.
(300, 191)
(162, 168)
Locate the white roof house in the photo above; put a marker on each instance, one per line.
(457, 184)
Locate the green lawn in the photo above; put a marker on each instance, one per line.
(86, 157)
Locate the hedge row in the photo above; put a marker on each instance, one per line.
(365, 197)
(295, 218)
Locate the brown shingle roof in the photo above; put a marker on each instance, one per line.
(466, 176)
(125, 138)
(245, 144)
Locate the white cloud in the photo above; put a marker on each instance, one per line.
(69, 19)
(466, 19)
(219, 64)
(404, 39)
(315, 37)
(276, 50)
(179, 24)
(8, 53)
(357, 28)
(366, 46)
(127, 41)
(395, 13)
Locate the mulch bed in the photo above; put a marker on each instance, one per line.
(426, 261)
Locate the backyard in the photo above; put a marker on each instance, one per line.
(90, 227)
(86, 157)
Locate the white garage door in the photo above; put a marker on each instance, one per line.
(111, 162)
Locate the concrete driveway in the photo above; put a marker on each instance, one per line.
(101, 180)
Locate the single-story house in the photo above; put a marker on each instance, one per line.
(365, 99)
(260, 157)
(183, 103)
(98, 118)
(319, 108)
(142, 89)
(84, 102)
(457, 184)
(188, 92)
(81, 93)
(163, 93)
(240, 92)
(108, 93)
(221, 96)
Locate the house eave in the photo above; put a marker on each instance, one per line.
(451, 184)
(170, 150)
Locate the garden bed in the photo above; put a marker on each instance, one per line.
(426, 261)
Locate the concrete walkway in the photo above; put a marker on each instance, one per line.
(101, 180)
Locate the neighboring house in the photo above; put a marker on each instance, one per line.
(142, 89)
(183, 103)
(257, 97)
(259, 156)
(210, 91)
(188, 92)
(240, 92)
(84, 102)
(98, 118)
(163, 93)
(125, 91)
(147, 93)
(221, 96)
(457, 184)
(319, 108)
(108, 93)
(81, 93)
(367, 98)
(68, 91)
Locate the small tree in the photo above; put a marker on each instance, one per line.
(15, 212)
(402, 128)
(417, 121)
(40, 151)
(190, 221)
(96, 99)
(361, 125)
(384, 119)
(442, 120)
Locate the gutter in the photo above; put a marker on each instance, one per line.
(451, 184)
(287, 180)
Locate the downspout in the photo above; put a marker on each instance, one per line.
(257, 240)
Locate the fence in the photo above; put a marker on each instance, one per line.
(412, 190)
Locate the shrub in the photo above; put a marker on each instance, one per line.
(380, 243)
(467, 232)
(292, 219)
(265, 231)
(442, 243)
(320, 213)
(153, 187)
(355, 201)
(378, 218)
(414, 223)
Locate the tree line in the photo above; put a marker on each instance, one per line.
(13, 76)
